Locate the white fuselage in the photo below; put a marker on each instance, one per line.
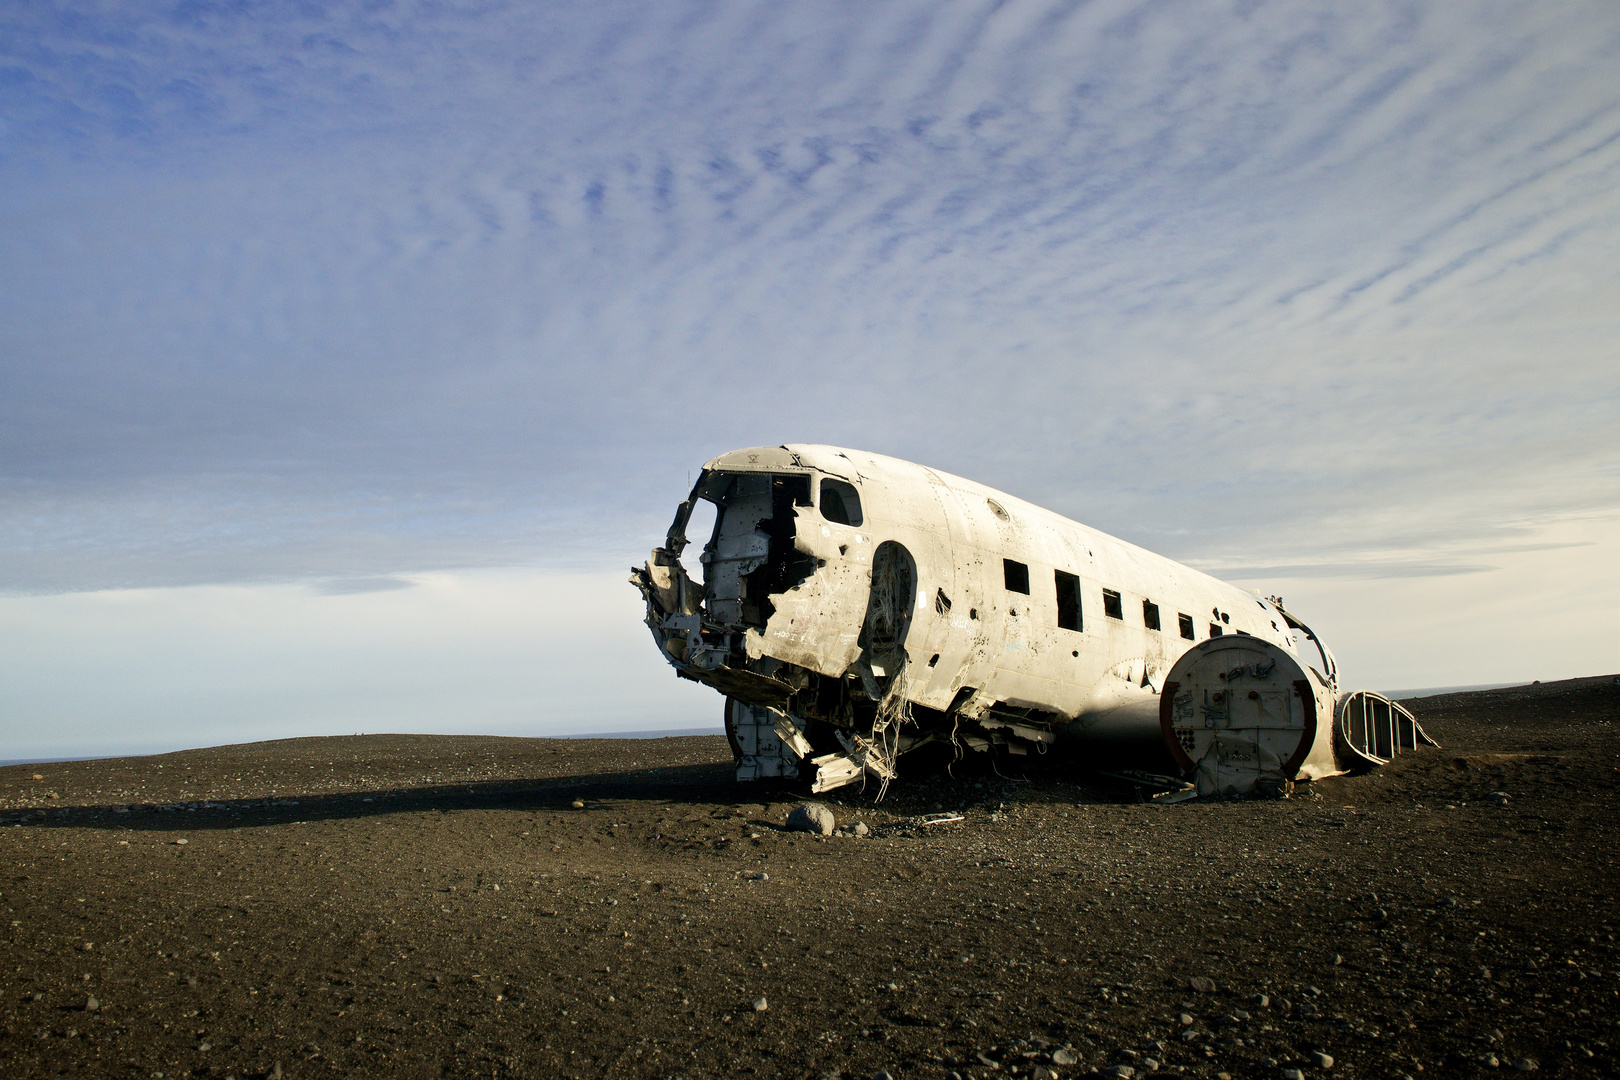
(1013, 611)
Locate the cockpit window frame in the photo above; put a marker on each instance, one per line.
(843, 493)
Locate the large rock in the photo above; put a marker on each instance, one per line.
(812, 818)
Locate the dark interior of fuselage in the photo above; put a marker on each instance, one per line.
(751, 556)
(784, 566)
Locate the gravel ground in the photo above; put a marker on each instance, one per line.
(418, 906)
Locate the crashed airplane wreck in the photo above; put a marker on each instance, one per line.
(855, 609)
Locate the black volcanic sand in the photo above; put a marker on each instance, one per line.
(392, 906)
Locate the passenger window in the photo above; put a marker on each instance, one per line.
(1187, 628)
(1215, 629)
(1150, 614)
(1111, 605)
(1017, 576)
(1068, 600)
(840, 503)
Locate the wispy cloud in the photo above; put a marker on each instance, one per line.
(349, 289)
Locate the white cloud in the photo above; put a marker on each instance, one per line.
(335, 294)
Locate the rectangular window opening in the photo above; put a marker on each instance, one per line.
(1017, 576)
(1150, 614)
(795, 485)
(840, 503)
(1215, 629)
(1068, 600)
(1112, 606)
(1187, 627)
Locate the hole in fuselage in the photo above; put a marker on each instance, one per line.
(740, 579)
(699, 534)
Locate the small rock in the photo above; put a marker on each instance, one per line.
(1063, 1056)
(1320, 1060)
(1202, 983)
(1260, 1001)
(1526, 1065)
(1500, 798)
(1337, 959)
(883, 1074)
(1186, 1019)
(182, 842)
(859, 828)
(1490, 1061)
(1041, 1072)
(578, 804)
(1293, 1074)
(892, 987)
(760, 1004)
(1150, 1064)
(1117, 1072)
(89, 946)
(205, 1047)
(812, 818)
(92, 1005)
(757, 875)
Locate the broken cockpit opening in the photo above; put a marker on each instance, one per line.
(748, 558)
(802, 688)
(751, 556)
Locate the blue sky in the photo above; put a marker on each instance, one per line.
(314, 316)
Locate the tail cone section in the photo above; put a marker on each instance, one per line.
(1242, 715)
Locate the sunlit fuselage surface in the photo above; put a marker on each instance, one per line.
(854, 607)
